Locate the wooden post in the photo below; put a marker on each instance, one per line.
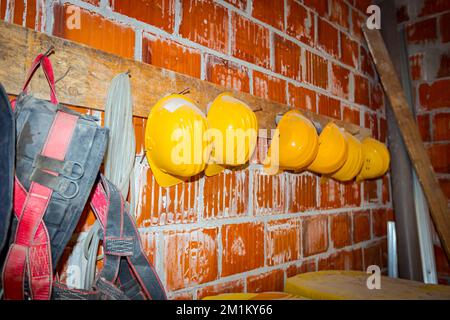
(437, 201)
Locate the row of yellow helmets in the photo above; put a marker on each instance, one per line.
(333, 153)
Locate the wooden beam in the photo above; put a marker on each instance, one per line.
(90, 71)
(437, 201)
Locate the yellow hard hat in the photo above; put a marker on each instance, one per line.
(298, 141)
(333, 150)
(376, 159)
(174, 140)
(354, 161)
(233, 130)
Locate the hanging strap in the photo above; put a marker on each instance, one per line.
(122, 242)
(44, 61)
(127, 273)
(30, 253)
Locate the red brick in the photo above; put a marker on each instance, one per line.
(303, 189)
(158, 13)
(171, 55)
(190, 257)
(358, 259)
(371, 122)
(316, 72)
(3, 9)
(358, 20)
(385, 195)
(240, 4)
(181, 296)
(373, 255)
(328, 37)
(445, 27)
(272, 281)
(342, 260)
(161, 206)
(96, 32)
(287, 57)
(434, 6)
(242, 247)
(367, 66)
(17, 10)
(361, 226)
(440, 157)
(330, 194)
(422, 32)
(304, 267)
(300, 22)
(441, 127)
(206, 23)
(139, 133)
(320, 6)
(361, 90)
(251, 41)
(329, 107)
(415, 63)
(351, 194)
(148, 241)
(362, 5)
(227, 74)
(349, 51)
(442, 263)
(376, 96)
(302, 98)
(269, 87)
(339, 81)
(340, 13)
(269, 193)
(340, 230)
(383, 130)
(370, 191)
(436, 95)
(379, 222)
(225, 195)
(445, 185)
(444, 66)
(315, 234)
(402, 14)
(350, 115)
(235, 286)
(270, 12)
(423, 121)
(282, 241)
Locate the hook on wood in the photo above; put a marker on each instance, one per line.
(50, 51)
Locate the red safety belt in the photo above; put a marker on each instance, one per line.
(30, 253)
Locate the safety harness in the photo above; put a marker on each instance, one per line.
(58, 156)
(126, 272)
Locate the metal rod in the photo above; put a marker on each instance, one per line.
(392, 250)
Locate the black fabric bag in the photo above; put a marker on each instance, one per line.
(7, 156)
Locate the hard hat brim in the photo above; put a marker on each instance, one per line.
(163, 179)
(213, 169)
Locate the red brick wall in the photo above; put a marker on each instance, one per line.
(427, 24)
(244, 230)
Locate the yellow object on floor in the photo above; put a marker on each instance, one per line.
(256, 296)
(352, 285)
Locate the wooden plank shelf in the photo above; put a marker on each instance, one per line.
(88, 73)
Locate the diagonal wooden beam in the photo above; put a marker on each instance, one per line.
(90, 72)
(437, 201)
